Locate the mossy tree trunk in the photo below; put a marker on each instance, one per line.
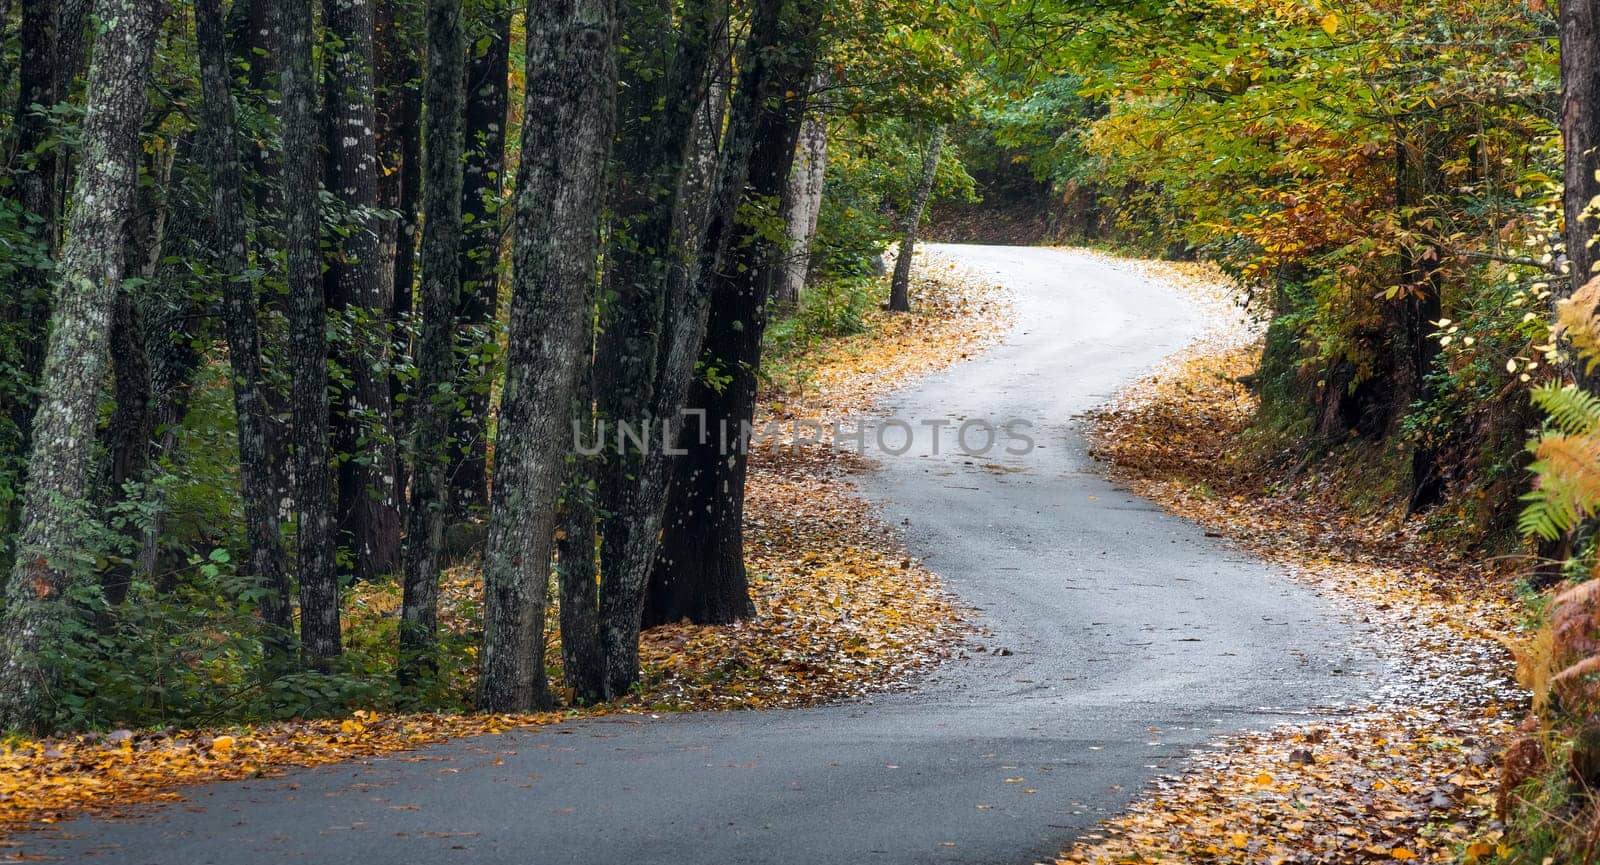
(49, 571)
(570, 113)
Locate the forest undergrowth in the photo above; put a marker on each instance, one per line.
(843, 608)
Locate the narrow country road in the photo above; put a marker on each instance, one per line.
(1128, 637)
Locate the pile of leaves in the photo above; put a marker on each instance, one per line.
(1409, 775)
(48, 781)
(842, 608)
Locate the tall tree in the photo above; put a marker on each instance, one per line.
(363, 426)
(1580, 131)
(569, 117)
(267, 563)
(699, 572)
(399, 111)
(900, 285)
(443, 94)
(308, 334)
(633, 518)
(488, 68)
(49, 555)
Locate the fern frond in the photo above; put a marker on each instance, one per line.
(1575, 411)
(1568, 492)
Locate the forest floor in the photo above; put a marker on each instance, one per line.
(843, 609)
(1410, 775)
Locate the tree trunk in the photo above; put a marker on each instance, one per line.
(443, 95)
(657, 233)
(1580, 130)
(488, 66)
(308, 327)
(570, 113)
(253, 47)
(900, 287)
(582, 666)
(699, 572)
(803, 207)
(765, 74)
(51, 45)
(256, 488)
(47, 563)
(399, 115)
(363, 427)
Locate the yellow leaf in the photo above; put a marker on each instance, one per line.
(1330, 23)
(1401, 853)
(1240, 840)
(222, 745)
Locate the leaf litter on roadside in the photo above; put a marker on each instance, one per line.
(1410, 773)
(843, 609)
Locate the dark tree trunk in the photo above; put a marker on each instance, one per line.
(308, 322)
(582, 666)
(654, 239)
(443, 95)
(699, 571)
(399, 114)
(51, 45)
(900, 286)
(152, 360)
(660, 199)
(488, 65)
(364, 440)
(570, 115)
(47, 563)
(129, 430)
(253, 48)
(637, 506)
(1580, 130)
(256, 486)
(1411, 315)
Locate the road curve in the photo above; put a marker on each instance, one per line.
(1120, 638)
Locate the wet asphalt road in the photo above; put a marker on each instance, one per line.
(1132, 637)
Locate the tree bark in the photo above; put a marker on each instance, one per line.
(570, 116)
(804, 206)
(488, 65)
(48, 564)
(765, 74)
(699, 572)
(308, 325)
(443, 96)
(364, 440)
(256, 487)
(578, 573)
(657, 235)
(399, 113)
(1580, 130)
(900, 287)
(51, 45)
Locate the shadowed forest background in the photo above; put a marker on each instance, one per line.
(305, 304)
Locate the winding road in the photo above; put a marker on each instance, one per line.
(1120, 638)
